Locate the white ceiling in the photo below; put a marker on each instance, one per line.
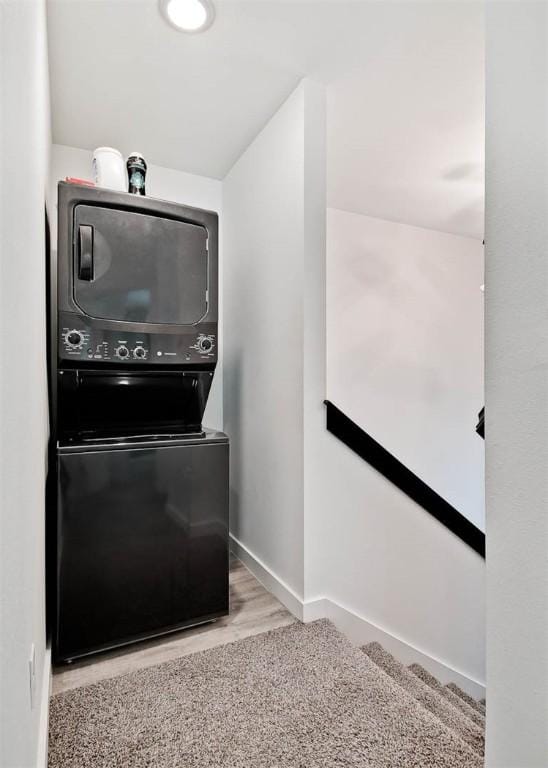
(404, 83)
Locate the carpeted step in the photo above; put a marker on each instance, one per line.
(477, 705)
(451, 697)
(299, 696)
(449, 715)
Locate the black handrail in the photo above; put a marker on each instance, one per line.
(480, 427)
(388, 465)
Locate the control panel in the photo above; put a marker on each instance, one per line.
(77, 342)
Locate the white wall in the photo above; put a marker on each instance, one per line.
(377, 563)
(384, 559)
(269, 224)
(405, 347)
(166, 184)
(25, 141)
(323, 530)
(517, 384)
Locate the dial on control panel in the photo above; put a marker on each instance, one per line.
(139, 353)
(121, 352)
(205, 344)
(74, 339)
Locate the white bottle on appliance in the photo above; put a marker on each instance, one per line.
(109, 169)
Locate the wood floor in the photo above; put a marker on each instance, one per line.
(252, 610)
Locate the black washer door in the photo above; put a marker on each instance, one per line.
(139, 268)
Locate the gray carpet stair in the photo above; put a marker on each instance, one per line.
(296, 697)
(471, 732)
(475, 716)
(479, 706)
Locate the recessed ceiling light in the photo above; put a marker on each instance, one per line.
(188, 15)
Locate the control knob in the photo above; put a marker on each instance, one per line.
(139, 352)
(205, 345)
(74, 339)
(121, 352)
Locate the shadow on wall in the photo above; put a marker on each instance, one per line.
(460, 217)
(470, 172)
(472, 177)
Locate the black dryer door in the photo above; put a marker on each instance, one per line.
(137, 268)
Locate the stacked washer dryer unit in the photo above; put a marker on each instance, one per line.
(139, 523)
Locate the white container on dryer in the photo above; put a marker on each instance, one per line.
(109, 169)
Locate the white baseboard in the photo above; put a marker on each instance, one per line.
(360, 631)
(292, 601)
(42, 751)
(357, 628)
